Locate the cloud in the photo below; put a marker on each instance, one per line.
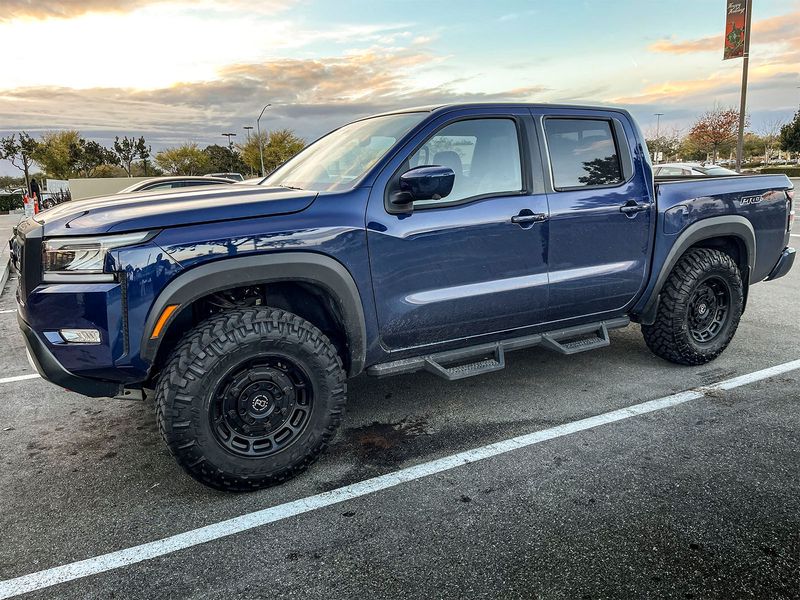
(764, 31)
(311, 96)
(65, 9)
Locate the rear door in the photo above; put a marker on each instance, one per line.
(472, 263)
(601, 212)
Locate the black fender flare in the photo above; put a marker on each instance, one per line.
(711, 227)
(307, 267)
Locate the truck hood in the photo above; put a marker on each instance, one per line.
(155, 210)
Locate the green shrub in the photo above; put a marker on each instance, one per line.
(788, 170)
(10, 202)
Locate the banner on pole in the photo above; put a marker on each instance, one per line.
(736, 13)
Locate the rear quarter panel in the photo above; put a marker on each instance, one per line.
(761, 199)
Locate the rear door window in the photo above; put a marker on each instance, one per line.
(583, 153)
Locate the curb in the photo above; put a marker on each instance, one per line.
(5, 260)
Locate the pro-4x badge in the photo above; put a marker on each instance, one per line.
(751, 200)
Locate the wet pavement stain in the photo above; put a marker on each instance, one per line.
(382, 447)
(385, 436)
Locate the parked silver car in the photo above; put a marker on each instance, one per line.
(179, 181)
(690, 170)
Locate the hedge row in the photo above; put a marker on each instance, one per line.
(790, 171)
(11, 202)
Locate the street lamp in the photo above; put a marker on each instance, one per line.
(248, 128)
(260, 148)
(230, 145)
(658, 139)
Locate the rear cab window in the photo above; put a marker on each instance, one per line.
(583, 153)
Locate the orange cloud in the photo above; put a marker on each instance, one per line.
(774, 29)
(65, 9)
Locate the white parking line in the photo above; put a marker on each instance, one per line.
(794, 234)
(5, 312)
(20, 378)
(121, 558)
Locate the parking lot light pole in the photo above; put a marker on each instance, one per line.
(260, 147)
(658, 127)
(248, 128)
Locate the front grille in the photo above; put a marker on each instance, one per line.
(26, 254)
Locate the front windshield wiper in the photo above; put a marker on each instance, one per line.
(289, 187)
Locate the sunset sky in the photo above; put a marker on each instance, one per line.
(177, 71)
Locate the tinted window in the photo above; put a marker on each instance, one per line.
(196, 182)
(483, 153)
(582, 152)
(714, 170)
(670, 171)
(161, 186)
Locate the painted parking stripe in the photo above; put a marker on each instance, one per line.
(129, 556)
(5, 312)
(20, 378)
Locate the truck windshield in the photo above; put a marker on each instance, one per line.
(338, 160)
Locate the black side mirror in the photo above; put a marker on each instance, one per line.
(422, 183)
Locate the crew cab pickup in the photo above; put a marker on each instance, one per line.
(430, 239)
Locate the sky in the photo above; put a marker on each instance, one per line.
(190, 70)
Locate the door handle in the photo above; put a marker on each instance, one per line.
(631, 207)
(526, 216)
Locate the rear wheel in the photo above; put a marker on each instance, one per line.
(250, 398)
(701, 304)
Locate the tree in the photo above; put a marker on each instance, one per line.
(145, 168)
(667, 143)
(143, 152)
(790, 134)
(224, 160)
(715, 131)
(601, 171)
(109, 170)
(187, 159)
(129, 149)
(54, 153)
(689, 150)
(88, 156)
(770, 136)
(753, 146)
(278, 146)
(19, 153)
(9, 183)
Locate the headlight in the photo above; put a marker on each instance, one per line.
(64, 259)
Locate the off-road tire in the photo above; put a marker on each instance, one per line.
(670, 336)
(206, 355)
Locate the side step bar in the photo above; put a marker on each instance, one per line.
(485, 358)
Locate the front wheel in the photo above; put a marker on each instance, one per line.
(701, 304)
(250, 398)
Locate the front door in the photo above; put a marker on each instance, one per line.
(474, 262)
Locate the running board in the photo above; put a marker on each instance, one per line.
(485, 358)
(567, 343)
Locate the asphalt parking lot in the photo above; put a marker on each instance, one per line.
(700, 499)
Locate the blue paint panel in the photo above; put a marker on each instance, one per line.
(459, 271)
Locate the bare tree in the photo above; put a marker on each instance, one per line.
(770, 132)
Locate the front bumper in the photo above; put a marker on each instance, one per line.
(784, 264)
(51, 370)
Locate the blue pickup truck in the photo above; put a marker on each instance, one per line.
(432, 239)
